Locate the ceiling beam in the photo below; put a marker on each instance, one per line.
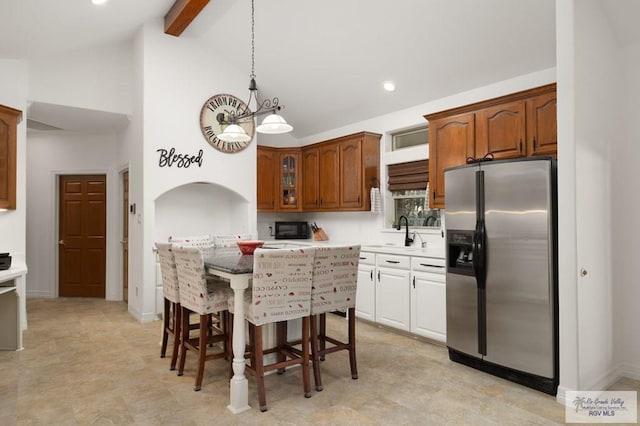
(181, 14)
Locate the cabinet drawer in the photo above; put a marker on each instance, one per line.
(430, 276)
(428, 264)
(367, 258)
(393, 261)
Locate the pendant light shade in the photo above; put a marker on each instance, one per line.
(234, 133)
(274, 124)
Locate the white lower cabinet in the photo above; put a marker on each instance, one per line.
(366, 290)
(428, 298)
(393, 295)
(403, 292)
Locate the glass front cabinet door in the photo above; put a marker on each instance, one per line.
(290, 180)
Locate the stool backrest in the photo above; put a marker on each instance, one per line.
(192, 281)
(169, 272)
(228, 241)
(202, 241)
(335, 278)
(281, 285)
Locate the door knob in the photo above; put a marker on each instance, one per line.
(583, 272)
(61, 242)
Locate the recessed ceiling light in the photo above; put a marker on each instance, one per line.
(389, 86)
(98, 1)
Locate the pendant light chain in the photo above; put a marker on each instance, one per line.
(272, 124)
(253, 44)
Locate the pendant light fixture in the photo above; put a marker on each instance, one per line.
(272, 124)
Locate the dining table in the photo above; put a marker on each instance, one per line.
(231, 265)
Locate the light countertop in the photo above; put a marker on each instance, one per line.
(429, 251)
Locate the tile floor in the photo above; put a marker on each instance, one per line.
(88, 361)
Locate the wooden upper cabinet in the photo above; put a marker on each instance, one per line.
(521, 124)
(339, 173)
(9, 119)
(542, 124)
(266, 185)
(329, 172)
(451, 142)
(351, 174)
(334, 175)
(359, 166)
(501, 131)
(289, 175)
(310, 179)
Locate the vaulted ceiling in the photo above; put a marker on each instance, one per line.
(327, 60)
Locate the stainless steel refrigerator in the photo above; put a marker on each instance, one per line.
(501, 288)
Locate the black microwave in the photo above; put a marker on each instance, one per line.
(292, 230)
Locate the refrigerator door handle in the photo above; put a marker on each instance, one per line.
(479, 259)
(479, 263)
(479, 239)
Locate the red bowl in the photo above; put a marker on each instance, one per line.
(248, 247)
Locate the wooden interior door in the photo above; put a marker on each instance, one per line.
(125, 236)
(82, 233)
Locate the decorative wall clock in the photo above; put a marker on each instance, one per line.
(214, 112)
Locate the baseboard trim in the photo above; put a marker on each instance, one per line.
(624, 370)
(39, 294)
(629, 371)
(143, 317)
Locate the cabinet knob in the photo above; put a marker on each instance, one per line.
(583, 272)
(61, 242)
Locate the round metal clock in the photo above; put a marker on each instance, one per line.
(215, 112)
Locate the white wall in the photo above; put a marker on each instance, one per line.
(567, 269)
(196, 209)
(50, 154)
(597, 107)
(13, 93)
(625, 202)
(130, 154)
(176, 76)
(99, 78)
(596, 83)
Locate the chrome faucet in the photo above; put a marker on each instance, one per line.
(423, 243)
(407, 240)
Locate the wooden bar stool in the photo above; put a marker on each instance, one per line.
(171, 318)
(335, 278)
(203, 242)
(204, 297)
(281, 291)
